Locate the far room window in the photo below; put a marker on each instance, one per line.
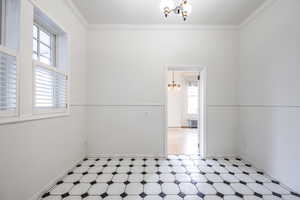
(44, 45)
(192, 99)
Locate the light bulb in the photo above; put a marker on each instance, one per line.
(167, 5)
(187, 8)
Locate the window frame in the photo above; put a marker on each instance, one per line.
(52, 47)
(60, 63)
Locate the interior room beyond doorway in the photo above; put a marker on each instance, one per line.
(183, 112)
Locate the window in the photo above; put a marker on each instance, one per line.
(43, 45)
(50, 78)
(192, 99)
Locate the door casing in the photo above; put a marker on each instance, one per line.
(202, 108)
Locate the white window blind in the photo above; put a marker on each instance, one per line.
(8, 83)
(50, 88)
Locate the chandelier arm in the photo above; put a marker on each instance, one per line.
(173, 77)
(182, 8)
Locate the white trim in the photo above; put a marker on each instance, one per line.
(120, 105)
(37, 63)
(166, 118)
(208, 105)
(49, 111)
(202, 107)
(222, 105)
(203, 118)
(126, 108)
(71, 6)
(7, 114)
(53, 19)
(77, 13)
(8, 51)
(51, 183)
(27, 118)
(208, 156)
(269, 106)
(256, 106)
(257, 13)
(99, 155)
(158, 27)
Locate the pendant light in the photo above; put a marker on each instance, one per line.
(183, 8)
(173, 85)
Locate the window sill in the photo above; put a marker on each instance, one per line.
(34, 117)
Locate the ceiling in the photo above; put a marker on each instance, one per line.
(205, 12)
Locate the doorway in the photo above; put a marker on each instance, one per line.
(185, 113)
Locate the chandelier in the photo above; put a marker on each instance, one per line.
(173, 84)
(183, 8)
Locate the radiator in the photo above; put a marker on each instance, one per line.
(192, 123)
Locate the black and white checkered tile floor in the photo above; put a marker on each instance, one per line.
(178, 177)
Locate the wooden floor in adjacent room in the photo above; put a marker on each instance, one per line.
(183, 141)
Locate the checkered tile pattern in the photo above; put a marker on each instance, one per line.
(177, 177)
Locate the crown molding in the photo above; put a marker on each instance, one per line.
(257, 13)
(183, 27)
(72, 7)
(77, 13)
(160, 27)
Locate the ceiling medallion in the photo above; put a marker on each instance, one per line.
(183, 8)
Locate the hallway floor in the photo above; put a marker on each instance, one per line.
(179, 177)
(183, 141)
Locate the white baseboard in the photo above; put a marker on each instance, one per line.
(158, 155)
(125, 155)
(224, 156)
(47, 187)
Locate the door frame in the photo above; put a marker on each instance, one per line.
(202, 108)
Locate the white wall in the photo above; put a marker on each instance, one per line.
(34, 153)
(269, 91)
(126, 67)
